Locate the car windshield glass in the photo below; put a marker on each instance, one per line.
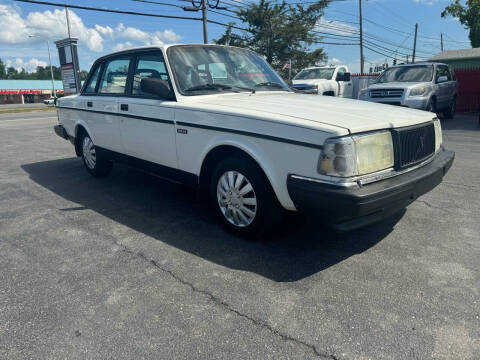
(200, 70)
(407, 74)
(309, 74)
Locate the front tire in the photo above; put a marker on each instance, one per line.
(243, 198)
(94, 162)
(432, 106)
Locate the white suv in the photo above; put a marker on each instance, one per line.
(222, 121)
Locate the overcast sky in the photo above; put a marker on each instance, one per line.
(388, 23)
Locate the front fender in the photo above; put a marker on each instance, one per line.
(262, 158)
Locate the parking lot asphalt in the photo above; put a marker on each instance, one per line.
(133, 267)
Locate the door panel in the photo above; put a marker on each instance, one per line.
(152, 137)
(147, 126)
(102, 121)
(106, 84)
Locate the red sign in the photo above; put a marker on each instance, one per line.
(14, 92)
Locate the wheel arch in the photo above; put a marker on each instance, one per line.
(80, 128)
(227, 148)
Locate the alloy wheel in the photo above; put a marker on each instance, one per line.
(236, 198)
(89, 154)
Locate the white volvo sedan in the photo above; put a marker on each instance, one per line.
(222, 121)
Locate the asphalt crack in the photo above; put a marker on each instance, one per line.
(227, 306)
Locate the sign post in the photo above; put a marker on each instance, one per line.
(69, 67)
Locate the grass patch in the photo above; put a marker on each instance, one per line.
(20, 110)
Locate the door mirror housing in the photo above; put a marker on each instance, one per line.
(345, 77)
(442, 79)
(157, 87)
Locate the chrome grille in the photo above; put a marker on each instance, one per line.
(413, 144)
(386, 93)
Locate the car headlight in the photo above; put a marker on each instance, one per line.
(357, 155)
(438, 134)
(419, 91)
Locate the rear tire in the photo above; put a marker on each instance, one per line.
(95, 162)
(450, 112)
(243, 198)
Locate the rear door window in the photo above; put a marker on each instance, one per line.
(92, 80)
(114, 77)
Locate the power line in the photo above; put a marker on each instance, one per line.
(125, 12)
(158, 3)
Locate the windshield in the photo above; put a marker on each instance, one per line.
(310, 74)
(407, 74)
(200, 70)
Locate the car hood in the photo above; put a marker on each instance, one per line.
(397, 85)
(317, 112)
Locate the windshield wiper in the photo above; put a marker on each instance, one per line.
(209, 87)
(218, 87)
(244, 88)
(269, 84)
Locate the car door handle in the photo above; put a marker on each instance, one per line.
(89, 104)
(124, 107)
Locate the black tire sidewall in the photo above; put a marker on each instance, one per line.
(431, 106)
(450, 112)
(102, 166)
(268, 208)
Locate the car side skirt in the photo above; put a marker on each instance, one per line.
(168, 173)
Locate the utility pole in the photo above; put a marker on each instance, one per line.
(361, 36)
(51, 71)
(202, 5)
(204, 19)
(415, 43)
(441, 41)
(68, 22)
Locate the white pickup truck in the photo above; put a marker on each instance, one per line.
(324, 80)
(221, 120)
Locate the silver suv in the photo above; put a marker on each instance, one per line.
(424, 86)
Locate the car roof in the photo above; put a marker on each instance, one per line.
(420, 63)
(158, 47)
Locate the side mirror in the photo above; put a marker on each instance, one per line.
(442, 79)
(157, 87)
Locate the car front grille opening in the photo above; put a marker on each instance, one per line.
(414, 144)
(386, 93)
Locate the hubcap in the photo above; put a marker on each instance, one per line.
(89, 154)
(236, 198)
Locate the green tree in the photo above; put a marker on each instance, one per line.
(469, 16)
(3, 72)
(11, 72)
(83, 75)
(279, 31)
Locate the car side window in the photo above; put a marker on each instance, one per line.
(114, 77)
(92, 81)
(148, 66)
(448, 74)
(341, 71)
(442, 71)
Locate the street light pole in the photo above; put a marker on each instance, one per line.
(51, 71)
(51, 68)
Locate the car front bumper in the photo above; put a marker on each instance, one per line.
(350, 208)
(419, 103)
